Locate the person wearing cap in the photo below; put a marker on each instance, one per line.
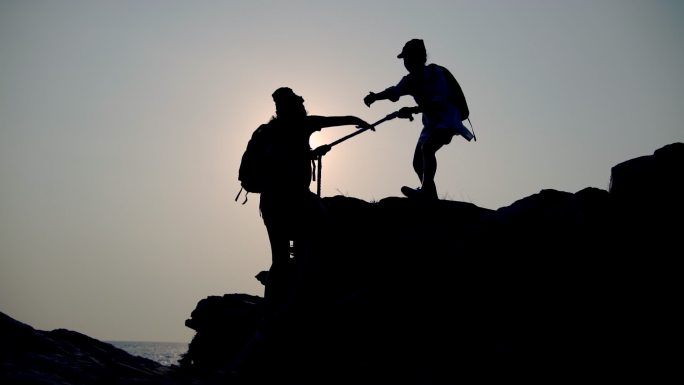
(440, 100)
(290, 210)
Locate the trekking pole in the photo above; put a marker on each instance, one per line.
(391, 116)
(371, 127)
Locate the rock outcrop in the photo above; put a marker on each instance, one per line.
(557, 286)
(30, 356)
(564, 284)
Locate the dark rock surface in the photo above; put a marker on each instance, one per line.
(30, 356)
(557, 286)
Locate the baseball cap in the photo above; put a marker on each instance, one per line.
(413, 47)
(284, 94)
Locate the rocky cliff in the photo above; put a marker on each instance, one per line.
(556, 286)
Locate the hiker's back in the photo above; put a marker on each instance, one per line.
(293, 169)
(276, 160)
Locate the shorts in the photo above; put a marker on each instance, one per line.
(440, 127)
(436, 135)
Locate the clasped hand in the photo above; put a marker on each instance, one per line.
(369, 99)
(362, 124)
(405, 113)
(320, 151)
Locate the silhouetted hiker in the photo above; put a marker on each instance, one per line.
(443, 105)
(291, 212)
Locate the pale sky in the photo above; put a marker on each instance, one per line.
(122, 124)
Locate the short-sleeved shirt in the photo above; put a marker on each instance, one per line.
(431, 91)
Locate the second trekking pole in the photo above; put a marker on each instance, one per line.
(342, 139)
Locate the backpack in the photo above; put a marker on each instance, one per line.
(458, 97)
(257, 160)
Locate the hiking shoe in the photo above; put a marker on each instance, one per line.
(418, 193)
(411, 192)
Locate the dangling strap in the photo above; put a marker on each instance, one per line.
(313, 169)
(240, 192)
(472, 128)
(320, 169)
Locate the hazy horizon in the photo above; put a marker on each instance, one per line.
(122, 125)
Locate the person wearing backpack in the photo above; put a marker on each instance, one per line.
(440, 99)
(290, 210)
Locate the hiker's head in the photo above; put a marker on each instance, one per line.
(414, 55)
(288, 104)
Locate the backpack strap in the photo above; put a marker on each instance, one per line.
(240, 192)
(317, 170)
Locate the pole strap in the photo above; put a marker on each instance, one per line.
(320, 168)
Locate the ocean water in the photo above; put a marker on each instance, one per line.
(166, 353)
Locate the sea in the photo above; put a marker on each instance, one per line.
(166, 353)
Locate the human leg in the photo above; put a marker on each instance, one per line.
(276, 288)
(418, 161)
(277, 283)
(418, 165)
(429, 155)
(310, 245)
(425, 162)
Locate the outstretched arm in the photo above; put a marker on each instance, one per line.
(372, 97)
(319, 122)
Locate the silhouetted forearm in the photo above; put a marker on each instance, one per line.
(332, 121)
(388, 93)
